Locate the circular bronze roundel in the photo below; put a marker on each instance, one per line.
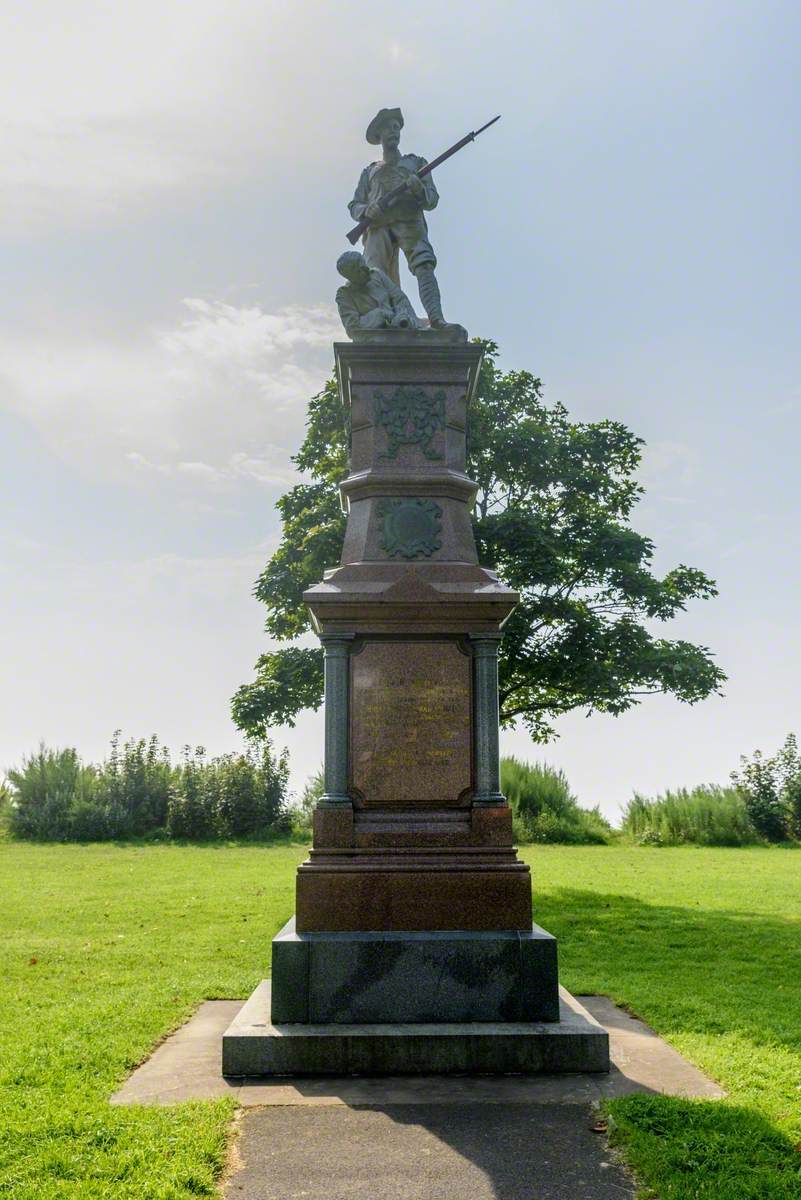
(410, 527)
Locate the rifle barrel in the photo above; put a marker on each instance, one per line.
(468, 137)
(429, 167)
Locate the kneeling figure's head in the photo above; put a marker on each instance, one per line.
(351, 264)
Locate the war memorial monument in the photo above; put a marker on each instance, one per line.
(412, 949)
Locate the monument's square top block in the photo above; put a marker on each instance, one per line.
(413, 359)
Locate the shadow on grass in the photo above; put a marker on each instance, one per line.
(680, 967)
(729, 977)
(705, 1150)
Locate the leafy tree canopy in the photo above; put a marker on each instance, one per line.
(552, 517)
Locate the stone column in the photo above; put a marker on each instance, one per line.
(485, 711)
(337, 669)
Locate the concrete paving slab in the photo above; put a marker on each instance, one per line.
(425, 1152)
(187, 1066)
(643, 1061)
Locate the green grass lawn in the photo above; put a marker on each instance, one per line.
(105, 949)
(705, 945)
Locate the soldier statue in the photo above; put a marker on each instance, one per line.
(399, 224)
(370, 299)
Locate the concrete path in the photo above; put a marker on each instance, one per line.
(187, 1067)
(418, 1138)
(425, 1152)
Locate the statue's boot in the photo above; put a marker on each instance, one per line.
(430, 297)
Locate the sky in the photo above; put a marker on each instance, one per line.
(173, 187)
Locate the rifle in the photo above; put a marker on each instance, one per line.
(386, 201)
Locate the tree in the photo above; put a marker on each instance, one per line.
(552, 517)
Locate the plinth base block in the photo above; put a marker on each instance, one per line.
(446, 891)
(414, 977)
(255, 1047)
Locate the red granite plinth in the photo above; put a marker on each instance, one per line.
(404, 843)
(392, 890)
(413, 868)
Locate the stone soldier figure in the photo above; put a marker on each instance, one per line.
(370, 299)
(402, 225)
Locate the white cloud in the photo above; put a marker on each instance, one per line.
(101, 166)
(273, 467)
(215, 400)
(790, 405)
(109, 110)
(128, 590)
(157, 643)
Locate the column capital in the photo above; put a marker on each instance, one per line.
(485, 645)
(334, 641)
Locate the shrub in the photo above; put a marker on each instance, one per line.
(251, 790)
(44, 790)
(788, 764)
(545, 809)
(135, 784)
(707, 815)
(137, 792)
(771, 789)
(87, 821)
(793, 800)
(233, 796)
(192, 803)
(756, 782)
(532, 787)
(5, 809)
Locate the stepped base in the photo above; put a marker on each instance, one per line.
(253, 1046)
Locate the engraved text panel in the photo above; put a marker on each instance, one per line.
(410, 724)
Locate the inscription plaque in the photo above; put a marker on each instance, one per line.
(410, 724)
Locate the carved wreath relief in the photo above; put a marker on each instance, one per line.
(410, 527)
(411, 416)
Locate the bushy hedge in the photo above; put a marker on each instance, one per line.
(233, 796)
(545, 809)
(139, 792)
(45, 790)
(707, 815)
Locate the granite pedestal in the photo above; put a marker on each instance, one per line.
(413, 947)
